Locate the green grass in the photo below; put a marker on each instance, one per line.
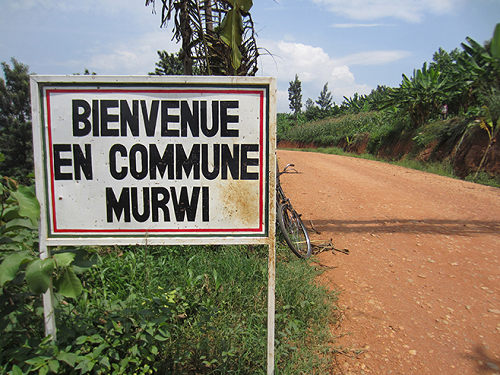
(441, 169)
(331, 130)
(187, 310)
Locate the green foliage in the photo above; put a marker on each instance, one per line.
(15, 122)
(19, 213)
(331, 130)
(356, 104)
(480, 65)
(484, 178)
(295, 96)
(218, 37)
(231, 29)
(182, 310)
(325, 99)
(169, 64)
(420, 96)
(393, 127)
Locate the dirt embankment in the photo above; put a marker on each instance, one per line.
(421, 285)
(465, 154)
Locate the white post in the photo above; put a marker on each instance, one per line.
(271, 294)
(271, 307)
(48, 297)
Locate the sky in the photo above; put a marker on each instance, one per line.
(354, 45)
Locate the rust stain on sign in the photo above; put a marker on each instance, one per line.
(240, 200)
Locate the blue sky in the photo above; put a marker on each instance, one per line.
(353, 45)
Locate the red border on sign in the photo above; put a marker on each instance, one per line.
(258, 230)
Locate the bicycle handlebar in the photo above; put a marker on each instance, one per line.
(288, 169)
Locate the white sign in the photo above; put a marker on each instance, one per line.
(123, 160)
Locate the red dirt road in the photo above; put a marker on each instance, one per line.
(420, 288)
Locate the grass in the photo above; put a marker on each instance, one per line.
(331, 130)
(441, 169)
(187, 310)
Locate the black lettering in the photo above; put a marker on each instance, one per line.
(225, 119)
(182, 206)
(81, 118)
(205, 162)
(130, 118)
(161, 163)
(58, 162)
(143, 151)
(95, 118)
(157, 204)
(166, 118)
(245, 162)
(82, 163)
(191, 118)
(188, 164)
(112, 161)
(231, 161)
(204, 119)
(150, 121)
(118, 206)
(107, 117)
(205, 203)
(141, 218)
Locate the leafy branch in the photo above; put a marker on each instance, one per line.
(19, 214)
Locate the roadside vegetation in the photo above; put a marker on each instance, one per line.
(173, 310)
(154, 309)
(446, 113)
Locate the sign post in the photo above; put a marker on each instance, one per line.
(158, 160)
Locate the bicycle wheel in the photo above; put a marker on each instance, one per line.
(294, 231)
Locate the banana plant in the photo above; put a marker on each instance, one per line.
(481, 64)
(218, 34)
(421, 95)
(488, 122)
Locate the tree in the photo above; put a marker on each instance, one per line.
(325, 99)
(217, 34)
(86, 72)
(312, 112)
(16, 142)
(169, 64)
(295, 96)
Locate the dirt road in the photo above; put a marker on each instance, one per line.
(421, 285)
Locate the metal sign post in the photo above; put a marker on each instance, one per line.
(164, 160)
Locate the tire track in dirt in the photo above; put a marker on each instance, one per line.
(421, 285)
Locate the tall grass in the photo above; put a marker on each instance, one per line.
(332, 130)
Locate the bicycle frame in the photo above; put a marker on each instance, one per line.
(289, 220)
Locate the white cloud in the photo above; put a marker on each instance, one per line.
(357, 25)
(373, 58)
(315, 67)
(408, 10)
(131, 57)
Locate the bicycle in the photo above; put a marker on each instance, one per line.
(289, 220)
